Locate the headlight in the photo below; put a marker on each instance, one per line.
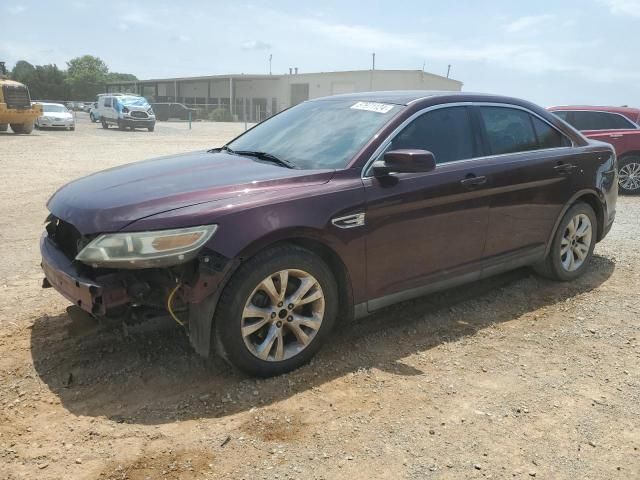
(146, 249)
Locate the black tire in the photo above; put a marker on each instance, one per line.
(228, 314)
(633, 186)
(121, 126)
(105, 124)
(4, 127)
(92, 118)
(22, 128)
(151, 128)
(552, 267)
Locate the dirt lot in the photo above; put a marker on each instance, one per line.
(518, 377)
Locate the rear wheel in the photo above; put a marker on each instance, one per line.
(105, 124)
(22, 128)
(3, 127)
(572, 246)
(276, 311)
(629, 175)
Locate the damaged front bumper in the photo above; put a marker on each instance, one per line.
(94, 296)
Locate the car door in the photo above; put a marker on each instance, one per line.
(427, 229)
(532, 171)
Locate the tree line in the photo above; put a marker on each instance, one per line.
(83, 79)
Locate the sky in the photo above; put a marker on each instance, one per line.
(550, 52)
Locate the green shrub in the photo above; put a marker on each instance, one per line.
(220, 115)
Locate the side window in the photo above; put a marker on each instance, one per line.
(445, 132)
(107, 102)
(548, 137)
(508, 130)
(584, 120)
(563, 114)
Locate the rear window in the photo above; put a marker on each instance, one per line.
(508, 130)
(583, 120)
(549, 137)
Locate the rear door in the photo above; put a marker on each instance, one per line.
(532, 174)
(423, 228)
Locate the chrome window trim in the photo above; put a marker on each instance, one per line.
(635, 125)
(365, 170)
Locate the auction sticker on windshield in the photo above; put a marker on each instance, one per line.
(372, 107)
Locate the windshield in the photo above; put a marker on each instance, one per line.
(54, 108)
(134, 101)
(314, 135)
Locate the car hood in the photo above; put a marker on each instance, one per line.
(108, 201)
(61, 115)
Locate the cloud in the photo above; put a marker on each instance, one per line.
(527, 22)
(181, 38)
(16, 9)
(256, 45)
(623, 7)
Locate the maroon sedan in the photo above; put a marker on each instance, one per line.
(617, 126)
(330, 210)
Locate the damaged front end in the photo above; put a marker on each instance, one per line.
(137, 277)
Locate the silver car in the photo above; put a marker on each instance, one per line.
(55, 115)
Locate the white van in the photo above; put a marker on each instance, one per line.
(125, 111)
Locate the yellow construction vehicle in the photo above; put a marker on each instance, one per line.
(15, 105)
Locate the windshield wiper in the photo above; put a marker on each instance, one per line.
(263, 156)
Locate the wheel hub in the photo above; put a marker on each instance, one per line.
(576, 242)
(282, 315)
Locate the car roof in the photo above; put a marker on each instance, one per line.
(396, 97)
(598, 108)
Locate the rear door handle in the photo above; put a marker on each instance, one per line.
(564, 168)
(472, 181)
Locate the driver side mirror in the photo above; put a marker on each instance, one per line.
(404, 161)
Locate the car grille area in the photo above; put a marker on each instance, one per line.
(66, 237)
(16, 96)
(136, 114)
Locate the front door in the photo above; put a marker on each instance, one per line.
(427, 228)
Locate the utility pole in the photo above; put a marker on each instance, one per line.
(270, 58)
(373, 65)
(448, 71)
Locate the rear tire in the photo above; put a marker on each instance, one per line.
(572, 246)
(22, 128)
(4, 127)
(105, 124)
(297, 325)
(629, 175)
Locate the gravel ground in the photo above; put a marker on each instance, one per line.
(517, 377)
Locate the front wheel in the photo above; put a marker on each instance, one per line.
(629, 175)
(3, 127)
(151, 128)
(276, 311)
(105, 124)
(572, 246)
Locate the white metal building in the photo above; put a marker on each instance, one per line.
(255, 97)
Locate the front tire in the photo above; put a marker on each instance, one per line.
(629, 175)
(276, 311)
(572, 246)
(105, 125)
(3, 127)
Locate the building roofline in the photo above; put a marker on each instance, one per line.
(250, 76)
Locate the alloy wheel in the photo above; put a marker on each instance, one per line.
(283, 315)
(576, 242)
(629, 176)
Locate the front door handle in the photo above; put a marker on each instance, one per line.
(565, 168)
(472, 181)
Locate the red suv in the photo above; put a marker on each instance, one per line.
(617, 126)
